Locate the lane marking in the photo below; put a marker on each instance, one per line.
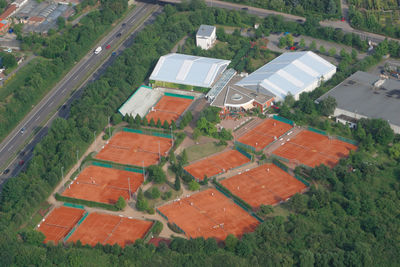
(51, 103)
(10, 147)
(38, 117)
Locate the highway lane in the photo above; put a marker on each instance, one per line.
(40, 114)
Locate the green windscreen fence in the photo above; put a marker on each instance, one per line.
(164, 135)
(243, 152)
(239, 144)
(317, 131)
(347, 140)
(282, 119)
(66, 204)
(105, 165)
(302, 180)
(280, 165)
(180, 96)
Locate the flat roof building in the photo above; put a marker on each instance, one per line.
(365, 95)
(206, 36)
(173, 69)
(290, 73)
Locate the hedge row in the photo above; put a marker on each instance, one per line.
(86, 202)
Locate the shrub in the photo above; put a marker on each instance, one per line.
(194, 186)
(121, 204)
(157, 228)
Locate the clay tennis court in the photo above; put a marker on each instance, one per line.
(216, 164)
(135, 149)
(59, 223)
(209, 214)
(169, 108)
(110, 229)
(104, 185)
(264, 133)
(312, 149)
(264, 185)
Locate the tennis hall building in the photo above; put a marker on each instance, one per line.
(290, 73)
(187, 71)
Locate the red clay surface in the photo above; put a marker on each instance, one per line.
(169, 109)
(216, 164)
(59, 223)
(104, 185)
(134, 149)
(264, 133)
(110, 229)
(266, 184)
(312, 149)
(209, 214)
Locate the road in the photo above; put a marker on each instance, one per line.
(344, 25)
(36, 123)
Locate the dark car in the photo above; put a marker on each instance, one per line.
(118, 35)
(21, 162)
(296, 34)
(245, 8)
(296, 44)
(123, 25)
(114, 53)
(22, 153)
(6, 171)
(299, 20)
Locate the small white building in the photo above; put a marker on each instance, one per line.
(206, 36)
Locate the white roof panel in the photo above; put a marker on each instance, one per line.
(291, 72)
(189, 70)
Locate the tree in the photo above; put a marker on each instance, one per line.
(313, 45)
(196, 134)
(156, 174)
(158, 123)
(61, 22)
(165, 125)
(121, 204)
(231, 242)
(177, 183)
(116, 118)
(194, 186)
(9, 60)
(327, 106)
(302, 43)
(153, 193)
(184, 157)
(141, 202)
(395, 151)
(152, 123)
(332, 51)
(322, 49)
(353, 54)
(157, 228)
(173, 125)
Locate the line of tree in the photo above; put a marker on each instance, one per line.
(321, 8)
(350, 219)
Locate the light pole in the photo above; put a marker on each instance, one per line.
(94, 138)
(77, 152)
(129, 186)
(62, 173)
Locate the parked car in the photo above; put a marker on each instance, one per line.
(245, 8)
(22, 131)
(114, 53)
(6, 171)
(21, 162)
(108, 46)
(118, 35)
(342, 19)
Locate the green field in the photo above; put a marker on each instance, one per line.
(201, 151)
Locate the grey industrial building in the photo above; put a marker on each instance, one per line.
(365, 95)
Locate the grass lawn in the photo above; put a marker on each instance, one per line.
(200, 151)
(279, 210)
